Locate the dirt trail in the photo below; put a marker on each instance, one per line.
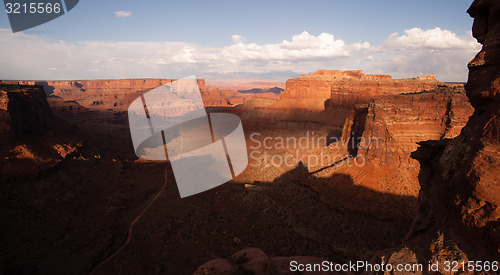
(131, 227)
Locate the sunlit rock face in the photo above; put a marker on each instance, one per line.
(345, 89)
(384, 132)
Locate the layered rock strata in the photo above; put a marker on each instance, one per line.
(345, 89)
(386, 131)
(118, 94)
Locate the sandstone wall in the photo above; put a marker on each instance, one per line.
(345, 89)
(386, 131)
(398, 122)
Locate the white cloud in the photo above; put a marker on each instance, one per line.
(29, 57)
(302, 47)
(299, 54)
(418, 52)
(237, 39)
(414, 53)
(123, 14)
(433, 39)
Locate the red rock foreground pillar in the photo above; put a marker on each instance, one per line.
(459, 215)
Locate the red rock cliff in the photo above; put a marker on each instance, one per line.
(386, 131)
(345, 89)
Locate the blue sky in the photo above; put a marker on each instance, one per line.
(205, 37)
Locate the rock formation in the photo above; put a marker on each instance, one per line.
(385, 132)
(345, 89)
(30, 132)
(24, 111)
(459, 216)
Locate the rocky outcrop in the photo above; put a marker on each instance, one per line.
(345, 89)
(30, 132)
(386, 131)
(459, 214)
(398, 122)
(24, 112)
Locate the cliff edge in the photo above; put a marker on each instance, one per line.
(459, 214)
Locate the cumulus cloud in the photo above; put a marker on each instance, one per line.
(123, 14)
(237, 39)
(416, 52)
(302, 46)
(298, 54)
(433, 39)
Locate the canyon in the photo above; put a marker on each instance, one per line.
(380, 131)
(416, 178)
(101, 172)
